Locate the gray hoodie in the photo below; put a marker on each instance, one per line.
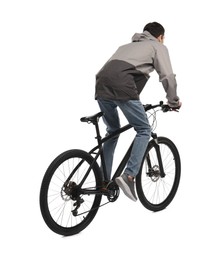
(125, 74)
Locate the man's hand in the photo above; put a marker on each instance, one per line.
(176, 107)
(168, 107)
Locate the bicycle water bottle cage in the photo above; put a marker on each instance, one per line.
(92, 119)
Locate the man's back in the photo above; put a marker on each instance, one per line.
(127, 71)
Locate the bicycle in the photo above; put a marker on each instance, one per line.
(73, 186)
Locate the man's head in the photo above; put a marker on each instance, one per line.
(156, 30)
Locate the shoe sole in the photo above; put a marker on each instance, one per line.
(121, 183)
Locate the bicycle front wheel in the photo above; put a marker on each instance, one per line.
(65, 210)
(154, 192)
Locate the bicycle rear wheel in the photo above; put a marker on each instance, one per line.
(64, 209)
(154, 192)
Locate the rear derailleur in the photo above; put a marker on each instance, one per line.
(70, 191)
(77, 205)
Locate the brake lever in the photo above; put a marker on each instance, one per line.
(166, 108)
(175, 110)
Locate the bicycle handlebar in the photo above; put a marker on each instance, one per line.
(164, 107)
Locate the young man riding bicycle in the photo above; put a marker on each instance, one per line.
(119, 84)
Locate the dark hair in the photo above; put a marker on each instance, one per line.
(155, 29)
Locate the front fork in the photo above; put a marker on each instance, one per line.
(157, 148)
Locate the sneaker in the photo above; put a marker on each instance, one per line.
(127, 186)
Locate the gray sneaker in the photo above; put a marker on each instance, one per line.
(126, 186)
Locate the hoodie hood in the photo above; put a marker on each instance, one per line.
(139, 37)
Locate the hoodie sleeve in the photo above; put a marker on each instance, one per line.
(163, 67)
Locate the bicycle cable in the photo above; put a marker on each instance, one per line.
(92, 209)
(154, 118)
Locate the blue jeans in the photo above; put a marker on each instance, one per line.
(136, 116)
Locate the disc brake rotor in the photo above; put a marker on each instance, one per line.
(155, 173)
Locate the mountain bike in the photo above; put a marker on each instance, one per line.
(73, 185)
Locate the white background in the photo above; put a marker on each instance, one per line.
(50, 52)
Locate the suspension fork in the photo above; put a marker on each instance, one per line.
(157, 148)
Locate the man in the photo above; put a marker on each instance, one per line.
(119, 84)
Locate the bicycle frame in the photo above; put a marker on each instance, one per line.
(127, 155)
(95, 119)
(98, 151)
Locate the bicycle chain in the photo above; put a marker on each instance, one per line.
(92, 209)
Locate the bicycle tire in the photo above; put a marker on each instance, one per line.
(56, 206)
(154, 192)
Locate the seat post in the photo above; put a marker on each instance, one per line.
(98, 136)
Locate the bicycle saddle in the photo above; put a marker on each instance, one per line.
(92, 119)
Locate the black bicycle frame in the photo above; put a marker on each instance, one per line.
(124, 161)
(127, 155)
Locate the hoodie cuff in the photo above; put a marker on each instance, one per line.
(174, 103)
